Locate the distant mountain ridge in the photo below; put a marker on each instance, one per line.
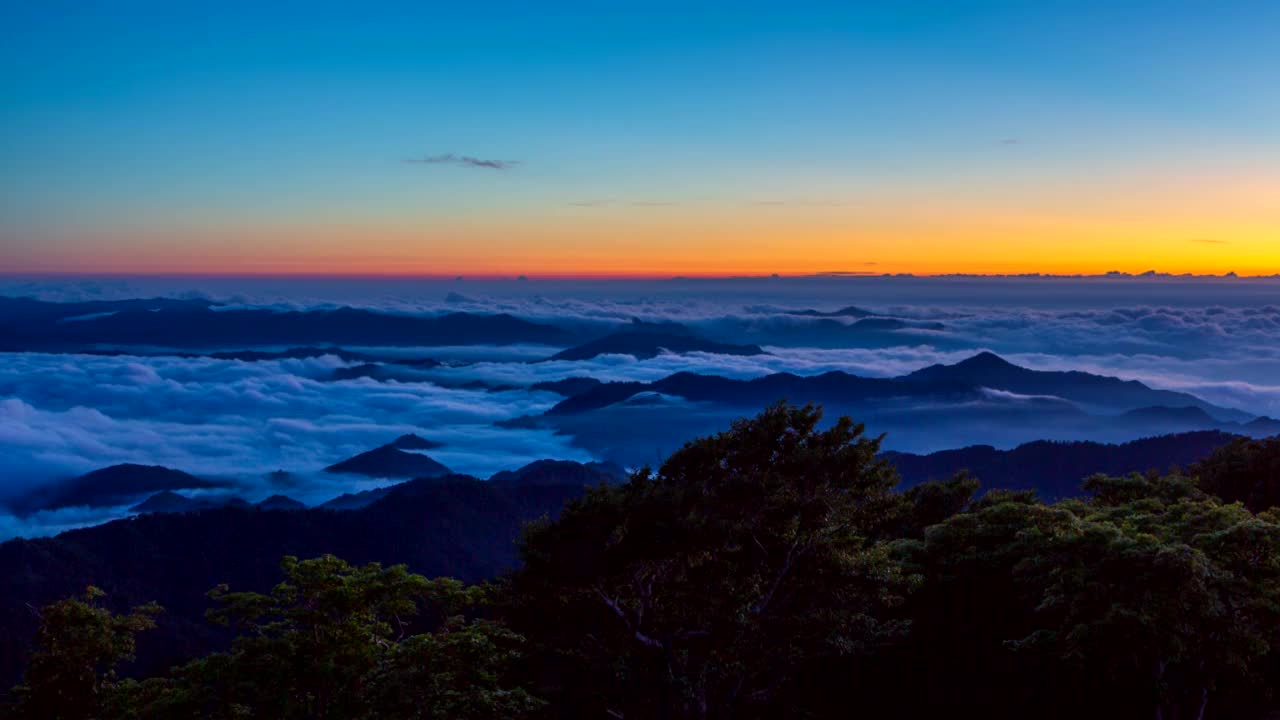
(966, 378)
(1056, 469)
(33, 324)
(849, 311)
(828, 387)
(561, 472)
(171, 502)
(986, 369)
(108, 487)
(151, 489)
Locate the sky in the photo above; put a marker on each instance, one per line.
(628, 138)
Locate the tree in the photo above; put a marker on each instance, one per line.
(708, 588)
(72, 674)
(1149, 598)
(333, 641)
(1245, 471)
(458, 672)
(970, 605)
(1172, 595)
(930, 503)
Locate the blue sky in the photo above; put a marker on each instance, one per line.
(129, 120)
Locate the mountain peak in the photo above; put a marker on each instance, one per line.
(985, 367)
(389, 461)
(409, 441)
(986, 360)
(280, 502)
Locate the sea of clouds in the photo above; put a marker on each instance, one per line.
(63, 415)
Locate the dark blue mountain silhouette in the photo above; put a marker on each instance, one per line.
(456, 526)
(963, 379)
(390, 461)
(27, 324)
(561, 472)
(108, 487)
(1056, 469)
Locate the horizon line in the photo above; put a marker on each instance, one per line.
(531, 276)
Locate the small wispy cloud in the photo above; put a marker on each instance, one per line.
(1009, 141)
(653, 203)
(591, 203)
(463, 161)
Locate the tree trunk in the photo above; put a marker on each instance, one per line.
(1204, 703)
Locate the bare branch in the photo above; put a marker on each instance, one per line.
(618, 610)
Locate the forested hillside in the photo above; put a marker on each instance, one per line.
(773, 570)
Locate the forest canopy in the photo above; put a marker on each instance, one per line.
(772, 570)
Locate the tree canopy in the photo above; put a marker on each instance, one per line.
(772, 570)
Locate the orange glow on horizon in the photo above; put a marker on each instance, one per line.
(1176, 229)
(810, 256)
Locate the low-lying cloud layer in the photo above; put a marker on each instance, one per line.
(61, 415)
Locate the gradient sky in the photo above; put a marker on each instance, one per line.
(640, 137)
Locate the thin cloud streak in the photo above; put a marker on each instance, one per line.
(463, 161)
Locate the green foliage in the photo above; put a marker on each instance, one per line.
(768, 571)
(454, 673)
(330, 641)
(1150, 592)
(930, 503)
(1161, 586)
(1245, 471)
(80, 646)
(707, 588)
(311, 641)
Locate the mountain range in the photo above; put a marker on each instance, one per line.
(456, 526)
(989, 370)
(962, 380)
(560, 472)
(1055, 469)
(981, 398)
(28, 324)
(168, 501)
(184, 325)
(154, 489)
